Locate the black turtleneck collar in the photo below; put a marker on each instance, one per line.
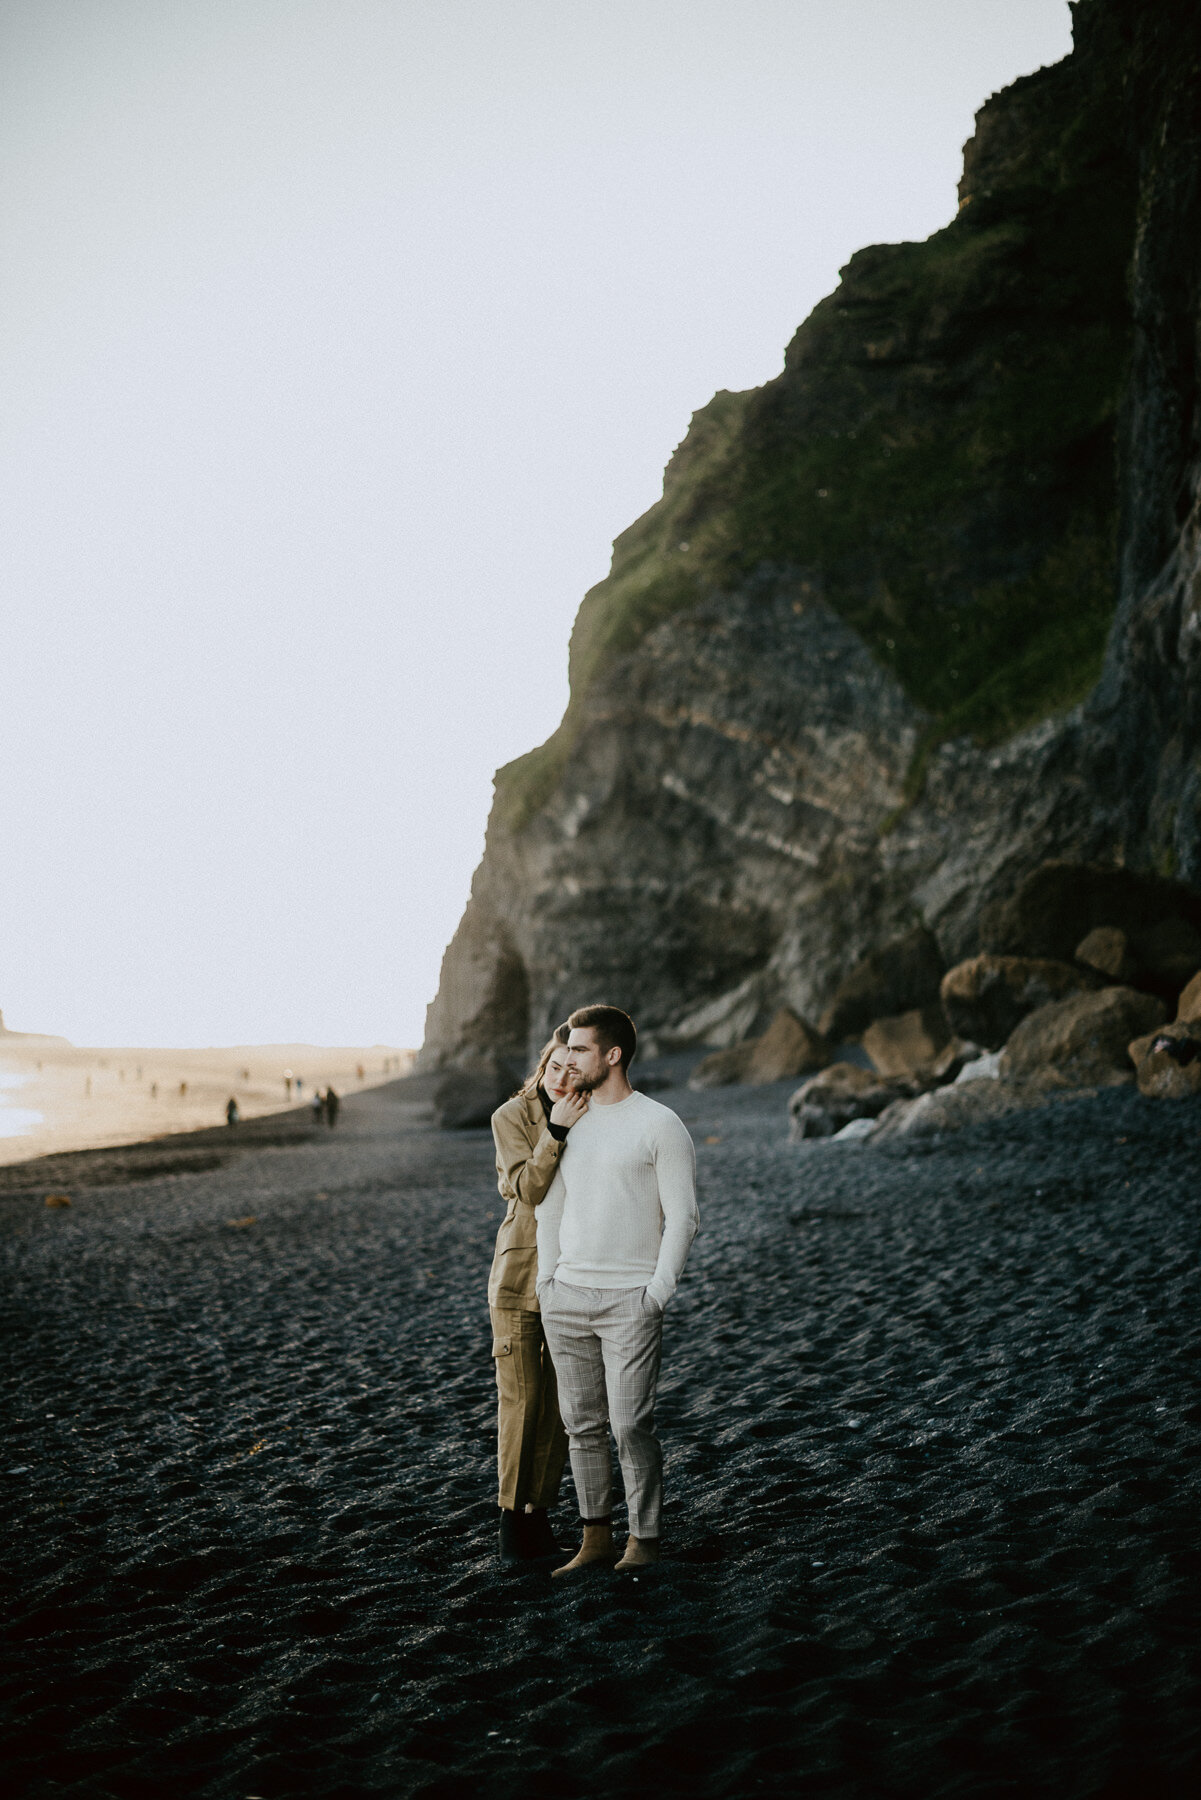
(558, 1132)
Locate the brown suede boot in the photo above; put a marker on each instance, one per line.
(639, 1553)
(597, 1547)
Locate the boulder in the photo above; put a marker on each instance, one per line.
(789, 1047)
(1158, 958)
(1082, 1041)
(721, 1068)
(464, 1099)
(952, 1108)
(907, 1042)
(981, 1068)
(958, 1055)
(840, 1078)
(855, 1132)
(1167, 1062)
(1106, 949)
(825, 1103)
(897, 977)
(1188, 1009)
(1166, 956)
(1060, 902)
(987, 996)
(1160, 1077)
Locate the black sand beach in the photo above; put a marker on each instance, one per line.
(931, 1418)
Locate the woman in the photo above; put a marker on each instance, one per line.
(530, 1131)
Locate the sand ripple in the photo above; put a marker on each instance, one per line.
(932, 1427)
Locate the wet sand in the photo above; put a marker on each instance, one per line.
(932, 1430)
(60, 1096)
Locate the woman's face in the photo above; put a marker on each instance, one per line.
(557, 1079)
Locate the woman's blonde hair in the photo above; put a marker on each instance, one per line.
(533, 1081)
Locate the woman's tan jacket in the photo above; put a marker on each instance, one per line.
(526, 1159)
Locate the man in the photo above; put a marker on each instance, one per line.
(613, 1236)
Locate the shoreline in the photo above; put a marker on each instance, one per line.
(170, 1153)
(57, 1097)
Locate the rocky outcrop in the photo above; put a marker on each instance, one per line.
(788, 1047)
(840, 689)
(985, 997)
(1188, 1009)
(1081, 1041)
(908, 1042)
(1168, 1063)
(465, 1098)
(683, 865)
(828, 1102)
(1106, 951)
(953, 1108)
(1062, 907)
(896, 978)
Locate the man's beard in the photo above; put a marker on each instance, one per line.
(587, 1084)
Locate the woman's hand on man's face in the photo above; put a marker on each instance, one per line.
(569, 1110)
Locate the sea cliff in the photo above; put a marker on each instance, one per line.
(918, 615)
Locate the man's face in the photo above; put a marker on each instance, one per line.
(590, 1066)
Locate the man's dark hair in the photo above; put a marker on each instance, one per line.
(611, 1025)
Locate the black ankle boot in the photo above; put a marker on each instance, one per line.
(539, 1537)
(513, 1537)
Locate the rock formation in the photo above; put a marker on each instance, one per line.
(1083, 1040)
(917, 616)
(788, 1047)
(985, 997)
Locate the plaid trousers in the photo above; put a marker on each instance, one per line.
(605, 1344)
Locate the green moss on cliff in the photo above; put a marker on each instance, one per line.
(669, 559)
(936, 460)
(524, 786)
(964, 522)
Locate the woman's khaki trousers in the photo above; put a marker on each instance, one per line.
(531, 1446)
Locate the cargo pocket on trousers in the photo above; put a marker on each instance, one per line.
(507, 1383)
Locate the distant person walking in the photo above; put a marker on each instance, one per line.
(332, 1105)
(317, 1104)
(531, 1445)
(613, 1237)
(232, 1115)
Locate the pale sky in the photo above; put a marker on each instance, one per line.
(338, 339)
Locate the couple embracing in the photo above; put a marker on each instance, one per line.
(600, 1189)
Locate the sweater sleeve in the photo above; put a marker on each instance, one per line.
(550, 1214)
(526, 1160)
(675, 1170)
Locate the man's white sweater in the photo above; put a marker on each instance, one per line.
(621, 1211)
